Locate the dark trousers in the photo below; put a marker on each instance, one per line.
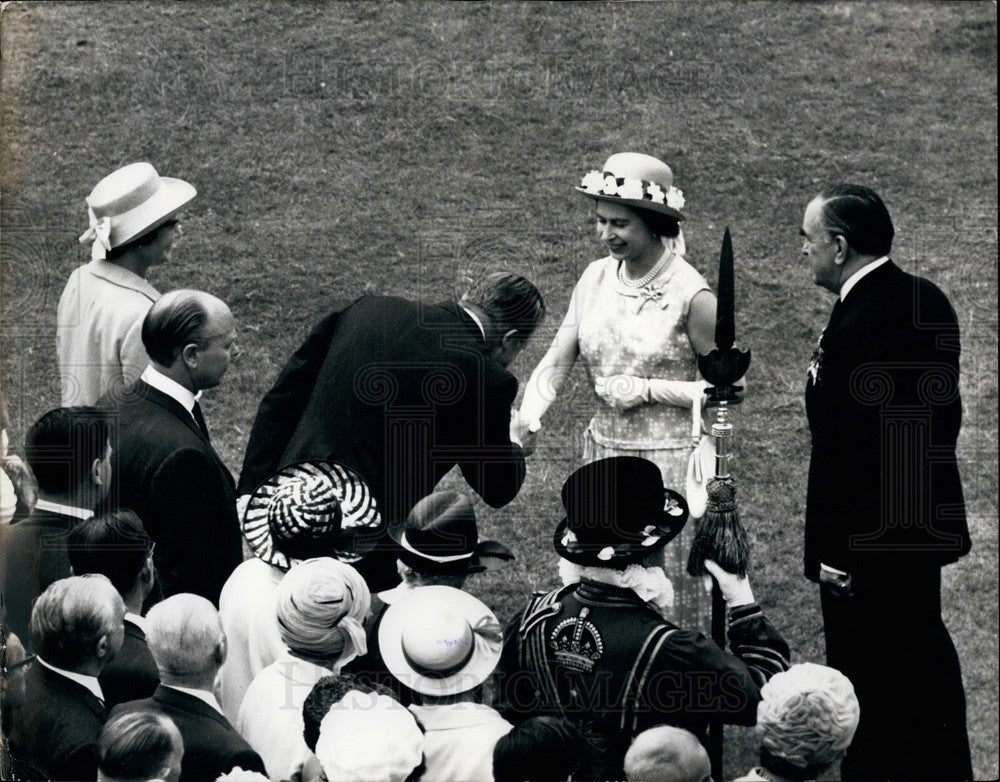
(889, 639)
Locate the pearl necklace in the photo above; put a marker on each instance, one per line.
(649, 276)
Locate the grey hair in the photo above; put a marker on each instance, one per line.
(71, 615)
(666, 753)
(414, 578)
(184, 633)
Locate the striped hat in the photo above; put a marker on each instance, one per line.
(312, 509)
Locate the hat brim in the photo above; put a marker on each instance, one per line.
(361, 522)
(151, 213)
(635, 203)
(480, 665)
(657, 534)
(456, 567)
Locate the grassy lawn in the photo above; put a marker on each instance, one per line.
(404, 148)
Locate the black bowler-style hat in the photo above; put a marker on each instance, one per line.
(440, 536)
(617, 512)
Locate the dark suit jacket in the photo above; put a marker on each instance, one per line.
(132, 674)
(56, 727)
(166, 470)
(400, 391)
(33, 556)
(211, 745)
(884, 412)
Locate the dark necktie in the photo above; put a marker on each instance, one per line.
(200, 419)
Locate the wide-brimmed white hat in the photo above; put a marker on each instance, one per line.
(636, 180)
(131, 202)
(438, 640)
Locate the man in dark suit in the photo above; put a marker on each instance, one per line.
(165, 468)
(402, 392)
(115, 545)
(76, 625)
(885, 509)
(185, 636)
(69, 452)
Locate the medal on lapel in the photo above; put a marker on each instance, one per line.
(816, 362)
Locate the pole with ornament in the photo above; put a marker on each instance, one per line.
(719, 535)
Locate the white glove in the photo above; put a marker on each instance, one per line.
(682, 393)
(622, 392)
(735, 590)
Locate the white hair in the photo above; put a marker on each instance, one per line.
(184, 633)
(71, 616)
(807, 715)
(666, 754)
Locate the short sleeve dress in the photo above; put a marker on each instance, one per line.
(642, 331)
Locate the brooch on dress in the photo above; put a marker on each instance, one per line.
(646, 294)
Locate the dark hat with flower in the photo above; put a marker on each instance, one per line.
(617, 512)
(636, 180)
(440, 536)
(312, 509)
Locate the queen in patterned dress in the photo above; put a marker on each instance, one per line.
(638, 318)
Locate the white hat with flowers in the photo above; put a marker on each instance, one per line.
(636, 180)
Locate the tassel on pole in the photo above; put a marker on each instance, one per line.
(719, 535)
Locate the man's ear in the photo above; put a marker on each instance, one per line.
(220, 651)
(189, 353)
(843, 249)
(511, 344)
(95, 472)
(103, 644)
(148, 572)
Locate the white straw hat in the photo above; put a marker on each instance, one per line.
(131, 202)
(438, 640)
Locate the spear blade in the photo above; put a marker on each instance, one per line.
(725, 319)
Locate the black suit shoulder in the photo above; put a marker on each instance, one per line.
(169, 474)
(56, 727)
(132, 675)
(33, 556)
(885, 412)
(211, 745)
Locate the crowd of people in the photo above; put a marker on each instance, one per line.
(310, 620)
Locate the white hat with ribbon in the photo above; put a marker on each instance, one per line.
(129, 203)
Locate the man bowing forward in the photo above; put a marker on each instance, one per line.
(401, 392)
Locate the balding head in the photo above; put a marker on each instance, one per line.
(667, 754)
(188, 336)
(76, 624)
(185, 637)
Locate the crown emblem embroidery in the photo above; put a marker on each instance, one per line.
(577, 643)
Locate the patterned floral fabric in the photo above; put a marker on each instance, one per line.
(643, 332)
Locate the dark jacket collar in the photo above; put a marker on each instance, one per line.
(183, 701)
(599, 593)
(875, 277)
(56, 681)
(144, 390)
(468, 322)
